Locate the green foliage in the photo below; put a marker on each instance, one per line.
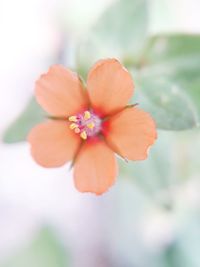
(173, 56)
(120, 32)
(45, 250)
(171, 105)
(165, 167)
(168, 80)
(31, 116)
(153, 174)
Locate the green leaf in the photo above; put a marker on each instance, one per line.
(193, 90)
(175, 56)
(165, 168)
(31, 116)
(153, 174)
(120, 32)
(45, 250)
(172, 107)
(168, 81)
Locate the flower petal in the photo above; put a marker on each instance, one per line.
(53, 143)
(95, 168)
(130, 133)
(110, 86)
(60, 92)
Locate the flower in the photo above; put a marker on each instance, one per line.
(88, 127)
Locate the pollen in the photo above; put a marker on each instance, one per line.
(86, 124)
(91, 125)
(73, 126)
(77, 130)
(83, 135)
(73, 118)
(87, 115)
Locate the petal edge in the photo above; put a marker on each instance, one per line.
(60, 92)
(92, 172)
(53, 143)
(110, 86)
(131, 132)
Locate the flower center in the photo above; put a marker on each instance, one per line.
(85, 124)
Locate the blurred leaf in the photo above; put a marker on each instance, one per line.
(172, 160)
(45, 250)
(31, 116)
(193, 90)
(173, 107)
(120, 32)
(155, 173)
(185, 251)
(176, 56)
(168, 81)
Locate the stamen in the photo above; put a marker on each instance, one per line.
(73, 118)
(91, 125)
(83, 135)
(86, 124)
(87, 115)
(73, 126)
(77, 130)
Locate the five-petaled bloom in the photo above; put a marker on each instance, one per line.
(88, 127)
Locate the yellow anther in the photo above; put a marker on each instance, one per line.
(87, 115)
(73, 126)
(77, 130)
(83, 135)
(91, 125)
(73, 118)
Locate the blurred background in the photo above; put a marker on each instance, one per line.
(151, 216)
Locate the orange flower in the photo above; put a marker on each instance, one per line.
(89, 126)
